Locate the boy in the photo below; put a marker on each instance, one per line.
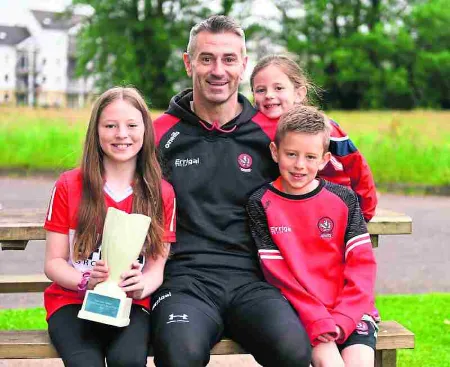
(314, 246)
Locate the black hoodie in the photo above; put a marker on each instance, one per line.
(213, 171)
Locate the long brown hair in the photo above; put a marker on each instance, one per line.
(147, 194)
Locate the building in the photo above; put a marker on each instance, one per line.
(42, 62)
(11, 82)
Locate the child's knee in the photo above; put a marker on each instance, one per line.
(358, 355)
(327, 355)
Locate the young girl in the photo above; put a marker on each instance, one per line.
(278, 84)
(119, 169)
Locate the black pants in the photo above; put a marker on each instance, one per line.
(86, 343)
(189, 317)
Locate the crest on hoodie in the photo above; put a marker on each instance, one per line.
(245, 162)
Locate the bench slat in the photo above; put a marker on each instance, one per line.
(35, 344)
(23, 283)
(393, 335)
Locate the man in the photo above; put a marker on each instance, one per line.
(214, 150)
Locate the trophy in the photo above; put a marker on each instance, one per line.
(122, 240)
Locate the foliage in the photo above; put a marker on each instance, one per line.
(140, 43)
(126, 44)
(426, 315)
(372, 54)
(364, 54)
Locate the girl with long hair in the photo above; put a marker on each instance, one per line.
(119, 169)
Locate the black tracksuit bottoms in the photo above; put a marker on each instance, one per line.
(190, 314)
(82, 343)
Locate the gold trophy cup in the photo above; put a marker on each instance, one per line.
(123, 237)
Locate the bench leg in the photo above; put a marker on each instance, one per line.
(386, 358)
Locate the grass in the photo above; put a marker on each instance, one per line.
(427, 315)
(402, 147)
(411, 147)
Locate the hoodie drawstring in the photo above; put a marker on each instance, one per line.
(216, 126)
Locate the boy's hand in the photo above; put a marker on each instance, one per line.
(339, 332)
(133, 281)
(99, 274)
(326, 337)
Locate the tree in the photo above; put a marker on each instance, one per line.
(371, 53)
(140, 42)
(430, 33)
(137, 42)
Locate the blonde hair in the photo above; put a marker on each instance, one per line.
(147, 194)
(292, 70)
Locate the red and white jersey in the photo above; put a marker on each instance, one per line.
(316, 249)
(62, 218)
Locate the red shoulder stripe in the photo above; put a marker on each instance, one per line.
(163, 124)
(267, 125)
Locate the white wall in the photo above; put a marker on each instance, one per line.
(52, 60)
(7, 70)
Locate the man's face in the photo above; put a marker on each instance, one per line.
(216, 67)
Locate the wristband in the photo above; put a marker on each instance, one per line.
(82, 286)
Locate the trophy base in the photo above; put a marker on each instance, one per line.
(105, 309)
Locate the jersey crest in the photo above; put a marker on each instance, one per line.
(325, 226)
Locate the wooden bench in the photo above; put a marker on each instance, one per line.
(17, 227)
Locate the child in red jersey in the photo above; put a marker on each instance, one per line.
(314, 246)
(119, 169)
(278, 84)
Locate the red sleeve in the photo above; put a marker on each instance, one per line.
(357, 296)
(356, 168)
(313, 314)
(57, 218)
(169, 203)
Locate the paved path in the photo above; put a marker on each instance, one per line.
(416, 263)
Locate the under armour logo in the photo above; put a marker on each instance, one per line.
(178, 318)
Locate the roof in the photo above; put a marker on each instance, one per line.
(12, 35)
(54, 20)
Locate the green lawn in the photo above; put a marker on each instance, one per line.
(428, 316)
(411, 147)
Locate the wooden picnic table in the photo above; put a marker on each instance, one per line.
(18, 226)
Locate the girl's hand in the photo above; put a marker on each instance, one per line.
(133, 281)
(99, 274)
